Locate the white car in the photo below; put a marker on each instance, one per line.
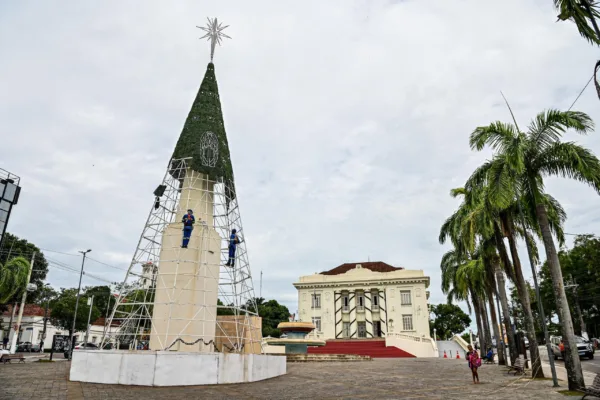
(584, 347)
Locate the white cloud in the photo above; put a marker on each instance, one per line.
(348, 122)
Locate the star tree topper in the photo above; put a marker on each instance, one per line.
(214, 33)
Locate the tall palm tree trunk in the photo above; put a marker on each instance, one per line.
(495, 325)
(503, 254)
(523, 291)
(512, 344)
(572, 361)
(486, 326)
(480, 334)
(501, 285)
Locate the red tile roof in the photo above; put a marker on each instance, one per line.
(375, 266)
(30, 310)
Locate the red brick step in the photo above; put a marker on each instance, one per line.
(372, 348)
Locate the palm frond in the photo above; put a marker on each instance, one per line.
(575, 11)
(548, 126)
(569, 160)
(498, 135)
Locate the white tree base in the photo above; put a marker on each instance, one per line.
(169, 368)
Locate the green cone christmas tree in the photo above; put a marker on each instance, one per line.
(203, 137)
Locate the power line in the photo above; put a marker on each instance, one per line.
(580, 93)
(60, 252)
(108, 265)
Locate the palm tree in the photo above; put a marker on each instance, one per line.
(583, 13)
(517, 171)
(461, 284)
(13, 278)
(475, 218)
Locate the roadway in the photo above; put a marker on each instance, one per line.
(592, 366)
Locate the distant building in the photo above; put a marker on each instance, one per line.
(32, 327)
(365, 300)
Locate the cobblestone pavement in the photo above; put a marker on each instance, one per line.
(381, 379)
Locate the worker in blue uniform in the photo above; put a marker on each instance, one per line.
(234, 240)
(188, 226)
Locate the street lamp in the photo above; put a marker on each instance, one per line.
(47, 298)
(77, 305)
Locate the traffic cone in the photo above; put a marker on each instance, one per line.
(445, 355)
(457, 355)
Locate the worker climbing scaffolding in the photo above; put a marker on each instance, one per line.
(188, 226)
(234, 240)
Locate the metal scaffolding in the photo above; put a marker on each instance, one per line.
(234, 318)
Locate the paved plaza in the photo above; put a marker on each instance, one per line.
(381, 379)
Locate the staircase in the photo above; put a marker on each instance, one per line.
(326, 357)
(374, 348)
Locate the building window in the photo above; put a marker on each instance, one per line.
(405, 298)
(346, 330)
(375, 300)
(94, 339)
(317, 323)
(39, 336)
(316, 301)
(345, 303)
(407, 323)
(360, 302)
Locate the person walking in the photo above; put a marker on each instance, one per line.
(474, 363)
(5, 341)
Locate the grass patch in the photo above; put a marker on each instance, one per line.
(45, 360)
(570, 393)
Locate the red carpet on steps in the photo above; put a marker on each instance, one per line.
(373, 348)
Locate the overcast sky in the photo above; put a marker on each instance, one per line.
(348, 120)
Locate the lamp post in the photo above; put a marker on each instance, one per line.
(77, 304)
(45, 317)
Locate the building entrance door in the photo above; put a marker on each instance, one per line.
(362, 329)
(377, 328)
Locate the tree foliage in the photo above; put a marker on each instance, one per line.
(63, 310)
(13, 278)
(449, 320)
(12, 247)
(584, 14)
(579, 263)
(102, 296)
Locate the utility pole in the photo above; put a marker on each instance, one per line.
(260, 290)
(87, 330)
(502, 330)
(541, 308)
(45, 319)
(77, 305)
(12, 317)
(573, 284)
(13, 346)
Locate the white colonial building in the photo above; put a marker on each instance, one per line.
(32, 327)
(365, 300)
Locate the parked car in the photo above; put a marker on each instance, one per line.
(80, 346)
(28, 347)
(585, 348)
(86, 346)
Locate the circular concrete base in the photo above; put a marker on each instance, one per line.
(170, 368)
